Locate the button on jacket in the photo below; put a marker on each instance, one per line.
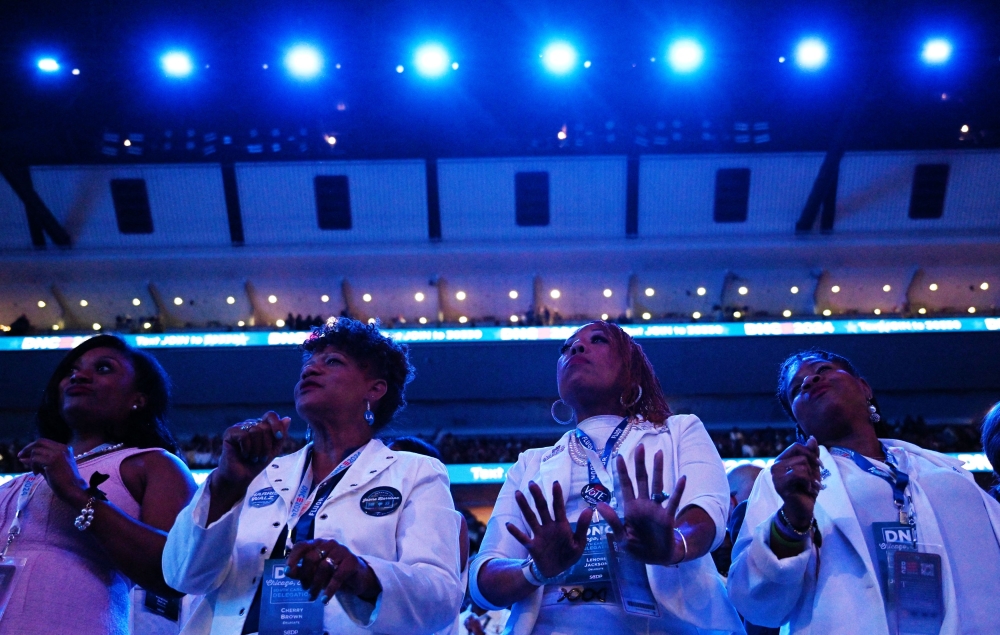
(413, 550)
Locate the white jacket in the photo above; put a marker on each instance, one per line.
(845, 598)
(414, 550)
(692, 592)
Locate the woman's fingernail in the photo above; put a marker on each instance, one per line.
(278, 435)
(287, 570)
(325, 599)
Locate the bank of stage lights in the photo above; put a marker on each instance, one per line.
(432, 60)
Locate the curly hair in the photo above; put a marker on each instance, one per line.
(643, 392)
(378, 355)
(144, 428)
(991, 443)
(813, 354)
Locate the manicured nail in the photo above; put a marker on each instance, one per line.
(278, 435)
(287, 570)
(325, 599)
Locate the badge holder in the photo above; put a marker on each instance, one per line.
(630, 581)
(915, 590)
(285, 608)
(10, 569)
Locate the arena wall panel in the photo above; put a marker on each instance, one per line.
(388, 202)
(586, 198)
(875, 187)
(14, 233)
(677, 193)
(187, 204)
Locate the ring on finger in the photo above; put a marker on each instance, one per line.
(329, 561)
(659, 498)
(322, 554)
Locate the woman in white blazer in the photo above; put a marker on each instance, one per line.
(655, 574)
(810, 554)
(270, 541)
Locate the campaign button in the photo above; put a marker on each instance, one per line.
(381, 501)
(263, 497)
(595, 493)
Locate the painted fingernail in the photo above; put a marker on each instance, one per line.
(287, 569)
(278, 435)
(325, 599)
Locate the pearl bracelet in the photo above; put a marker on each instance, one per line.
(86, 516)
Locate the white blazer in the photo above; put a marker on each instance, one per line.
(846, 597)
(414, 550)
(692, 592)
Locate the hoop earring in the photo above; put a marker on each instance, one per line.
(559, 404)
(873, 414)
(621, 399)
(369, 415)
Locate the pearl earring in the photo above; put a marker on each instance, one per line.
(873, 414)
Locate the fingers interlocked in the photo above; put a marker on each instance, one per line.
(322, 566)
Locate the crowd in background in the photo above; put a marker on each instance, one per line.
(202, 451)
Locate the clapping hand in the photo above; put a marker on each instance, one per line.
(648, 529)
(797, 478)
(553, 544)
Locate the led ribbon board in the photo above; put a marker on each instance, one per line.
(238, 339)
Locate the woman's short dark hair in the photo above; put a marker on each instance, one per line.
(813, 354)
(642, 387)
(377, 354)
(991, 442)
(144, 428)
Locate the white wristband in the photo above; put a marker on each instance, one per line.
(529, 575)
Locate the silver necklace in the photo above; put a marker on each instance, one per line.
(101, 449)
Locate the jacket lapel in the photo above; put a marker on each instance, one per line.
(284, 474)
(374, 459)
(833, 506)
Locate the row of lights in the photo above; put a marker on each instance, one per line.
(555, 294)
(432, 60)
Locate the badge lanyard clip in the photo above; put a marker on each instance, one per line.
(27, 489)
(594, 491)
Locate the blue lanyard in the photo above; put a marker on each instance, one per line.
(303, 529)
(894, 477)
(609, 447)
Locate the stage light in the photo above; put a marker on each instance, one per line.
(241, 323)
(48, 65)
(685, 55)
(972, 309)
(878, 311)
(827, 312)
(743, 291)
(646, 316)
(136, 301)
(607, 293)
(97, 327)
(936, 51)
(512, 295)
(811, 54)
(514, 319)
(422, 320)
(463, 319)
(737, 314)
(176, 64)
(55, 327)
(964, 129)
(367, 297)
(324, 298)
(83, 303)
(419, 297)
(786, 313)
(432, 60)
(587, 64)
(887, 288)
(279, 323)
(921, 310)
(794, 290)
(75, 71)
(230, 300)
(835, 289)
(303, 61)
(178, 301)
(559, 57)
(41, 304)
(604, 316)
(696, 315)
(554, 294)
(933, 286)
(147, 325)
(272, 299)
(702, 291)
(984, 286)
(460, 295)
(400, 69)
(650, 292)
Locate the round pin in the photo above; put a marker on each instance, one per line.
(381, 501)
(595, 493)
(263, 497)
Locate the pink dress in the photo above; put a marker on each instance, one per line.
(69, 585)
